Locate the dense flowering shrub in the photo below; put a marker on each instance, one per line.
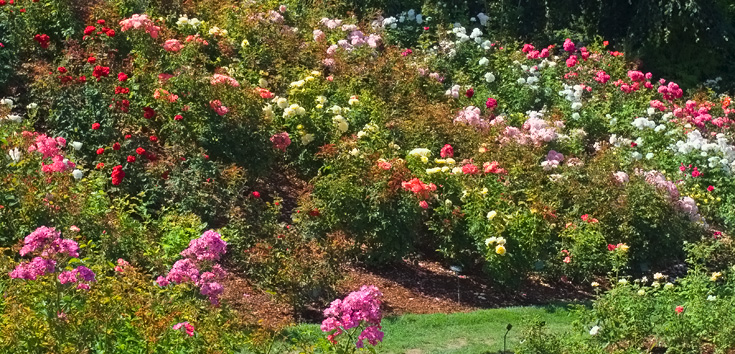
(357, 312)
(202, 253)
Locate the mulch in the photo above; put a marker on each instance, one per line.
(422, 287)
(427, 287)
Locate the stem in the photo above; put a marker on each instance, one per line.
(458, 292)
(54, 320)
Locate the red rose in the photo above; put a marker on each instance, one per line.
(153, 138)
(91, 60)
(469, 93)
(89, 30)
(110, 32)
(100, 151)
(95, 126)
(256, 194)
(61, 69)
(178, 117)
(116, 146)
(100, 166)
(131, 158)
(127, 136)
(43, 40)
(82, 78)
(117, 175)
(140, 151)
(101, 22)
(148, 113)
(100, 71)
(122, 77)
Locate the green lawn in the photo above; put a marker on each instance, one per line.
(477, 332)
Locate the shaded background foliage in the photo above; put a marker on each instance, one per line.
(688, 41)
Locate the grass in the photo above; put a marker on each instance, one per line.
(476, 332)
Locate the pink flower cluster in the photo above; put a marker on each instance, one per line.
(699, 115)
(47, 145)
(621, 177)
(539, 130)
(420, 189)
(470, 115)
(686, 204)
(208, 247)
(470, 169)
(218, 79)
(331, 23)
(172, 45)
(657, 179)
(357, 39)
(689, 206)
(281, 141)
(359, 308)
(494, 168)
(188, 327)
(60, 164)
(553, 159)
(602, 77)
(201, 252)
(37, 267)
(532, 53)
(47, 242)
(78, 275)
(671, 91)
(138, 22)
(219, 108)
(535, 131)
(433, 75)
(447, 151)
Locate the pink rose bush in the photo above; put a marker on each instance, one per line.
(138, 21)
(172, 45)
(471, 116)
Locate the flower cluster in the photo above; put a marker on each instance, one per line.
(188, 328)
(140, 22)
(553, 159)
(202, 252)
(51, 249)
(219, 108)
(420, 189)
(218, 79)
(281, 141)
(471, 116)
(360, 309)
